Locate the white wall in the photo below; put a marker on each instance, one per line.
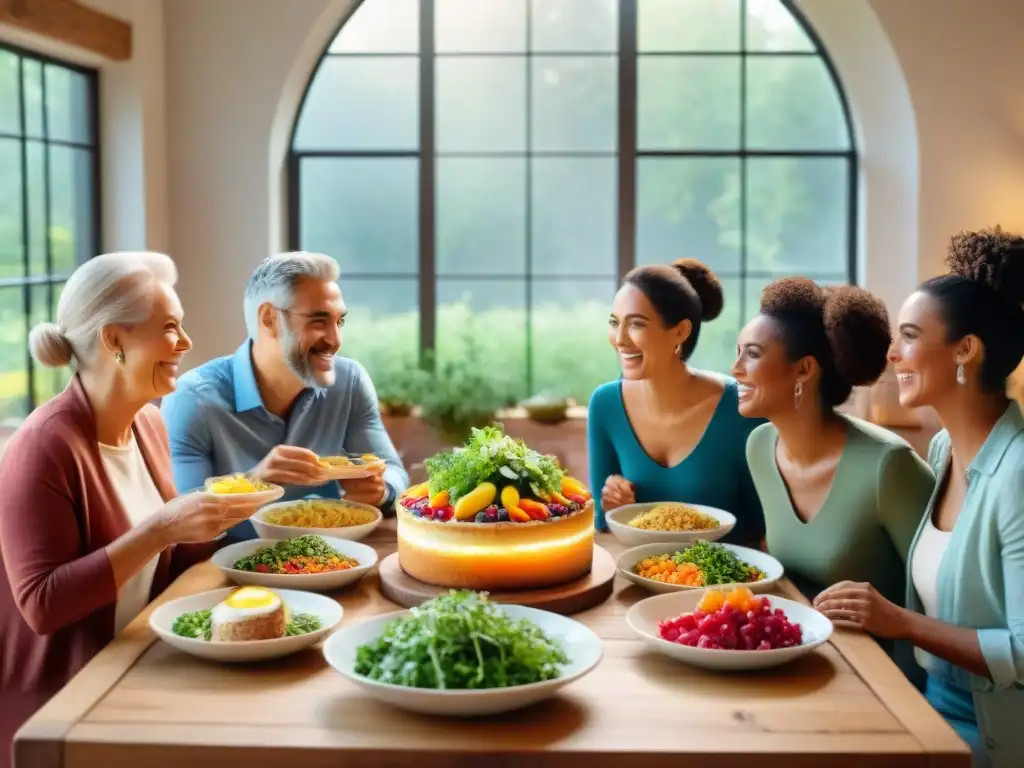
(236, 73)
(133, 125)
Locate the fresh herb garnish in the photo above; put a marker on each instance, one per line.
(492, 456)
(457, 641)
(717, 564)
(199, 625)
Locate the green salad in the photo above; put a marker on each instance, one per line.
(460, 640)
(717, 564)
(492, 456)
(198, 625)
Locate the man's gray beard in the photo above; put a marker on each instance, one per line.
(300, 365)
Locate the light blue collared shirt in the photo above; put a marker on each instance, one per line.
(218, 425)
(981, 584)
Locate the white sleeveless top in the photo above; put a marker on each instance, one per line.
(140, 498)
(924, 565)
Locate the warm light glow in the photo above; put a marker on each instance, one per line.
(421, 540)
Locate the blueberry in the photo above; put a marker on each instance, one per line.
(481, 517)
(502, 515)
(417, 511)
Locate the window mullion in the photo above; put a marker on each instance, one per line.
(627, 137)
(427, 184)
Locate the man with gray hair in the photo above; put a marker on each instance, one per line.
(284, 398)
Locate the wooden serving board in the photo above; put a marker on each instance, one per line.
(571, 597)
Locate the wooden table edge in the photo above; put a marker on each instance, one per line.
(40, 741)
(868, 660)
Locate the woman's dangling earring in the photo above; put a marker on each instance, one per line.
(798, 394)
(679, 351)
(119, 356)
(961, 378)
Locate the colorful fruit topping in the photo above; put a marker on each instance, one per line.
(737, 621)
(494, 469)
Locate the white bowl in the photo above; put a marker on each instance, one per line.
(620, 516)
(581, 645)
(256, 499)
(267, 530)
(162, 620)
(644, 617)
(316, 582)
(764, 562)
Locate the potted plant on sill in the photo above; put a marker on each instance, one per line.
(400, 387)
(458, 395)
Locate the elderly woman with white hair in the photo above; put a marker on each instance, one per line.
(91, 527)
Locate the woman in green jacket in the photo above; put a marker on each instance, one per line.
(842, 498)
(960, 336)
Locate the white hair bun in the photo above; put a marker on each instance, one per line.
(49, 345)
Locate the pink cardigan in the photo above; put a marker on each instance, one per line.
(58, 511)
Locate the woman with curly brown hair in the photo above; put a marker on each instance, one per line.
(666, 431)
(842, 498)
(960, 337)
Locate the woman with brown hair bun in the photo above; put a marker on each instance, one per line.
(842, 498)
(665, 431)
(960, 337)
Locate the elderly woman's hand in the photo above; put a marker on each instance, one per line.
(200, 517)
(617, 492)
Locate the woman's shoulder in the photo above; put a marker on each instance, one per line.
(605, 398)
(51, 436)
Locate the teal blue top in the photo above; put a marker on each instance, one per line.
(715, 473)
(981, 583)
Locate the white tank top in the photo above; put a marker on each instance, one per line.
(140, 498)
(924, 565)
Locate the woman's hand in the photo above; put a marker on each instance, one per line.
(617, 492)
(858, 605)
(199, 517)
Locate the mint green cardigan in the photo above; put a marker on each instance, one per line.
(981, 584)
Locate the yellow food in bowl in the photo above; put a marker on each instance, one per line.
(673, 517)
(237, 484)
(345, 461)
(317, 514)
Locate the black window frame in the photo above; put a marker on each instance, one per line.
(626, 153)
(51, 279)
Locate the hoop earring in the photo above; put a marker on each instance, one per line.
(798, 394)
(961, 377)
(119, 356)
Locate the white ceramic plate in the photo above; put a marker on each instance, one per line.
(771, 567)
(162, 621)
(259, 498)
(267, 530)
(581, 645)
(226, 558)
(644, 617)
(633, 537)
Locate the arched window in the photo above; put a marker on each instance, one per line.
(487, 171)
(49, 209)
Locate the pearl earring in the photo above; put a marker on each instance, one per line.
(961, 378)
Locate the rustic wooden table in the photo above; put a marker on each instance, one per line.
(141, 702)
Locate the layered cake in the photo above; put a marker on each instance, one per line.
(495, 515)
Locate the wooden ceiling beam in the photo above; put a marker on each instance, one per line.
(69, 22)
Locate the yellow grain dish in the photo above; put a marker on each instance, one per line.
(237, 484)
(673, 517)
(318, 514)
